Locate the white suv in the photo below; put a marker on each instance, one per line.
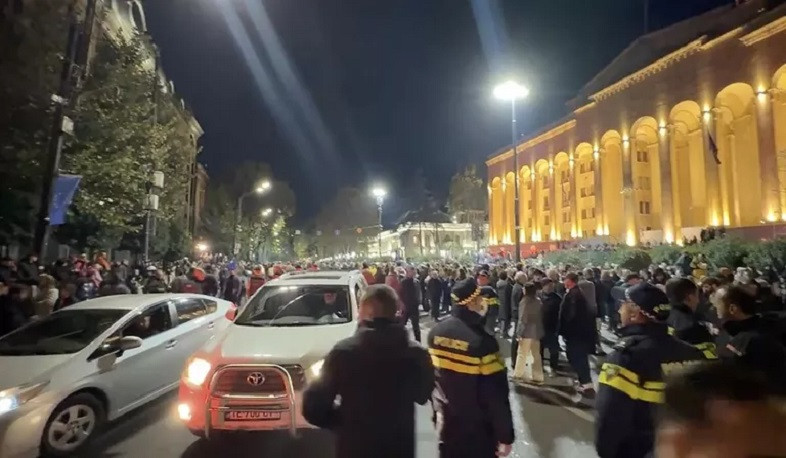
(251, 377)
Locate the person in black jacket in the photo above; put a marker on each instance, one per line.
(750, 343)
(410, 296)
(577, 326)
(472, 408)
(551, 302)
(379, 374)
(631, 381)
(434, 292)
(516, 295)
(504, 289)
(684, 321)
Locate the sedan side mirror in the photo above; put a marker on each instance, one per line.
(120, 345)
(231, 312)
(116, 346)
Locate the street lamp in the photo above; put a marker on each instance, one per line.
(259, 190)
(379, 193)
(511, 91)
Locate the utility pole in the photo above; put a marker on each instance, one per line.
(74, 67)
(646, 16)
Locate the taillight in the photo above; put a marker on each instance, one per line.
(231, 312)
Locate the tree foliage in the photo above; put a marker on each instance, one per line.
(31, 48)
(466, 198)
(116, 143)
(337, 223)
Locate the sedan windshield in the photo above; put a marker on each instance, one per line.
(297, 306)
(66, 331)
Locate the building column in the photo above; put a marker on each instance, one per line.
(714, 215)
(667, 197)
(575, 202)
(778, 99)
(631, 236)
(554, 222)
(598, 183)
(536, 196)
(492, 224)
(768, 160)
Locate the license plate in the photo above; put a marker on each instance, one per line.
(251, 415)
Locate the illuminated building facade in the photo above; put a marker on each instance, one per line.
(685, 129)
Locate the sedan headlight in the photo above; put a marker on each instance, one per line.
(197, 371)
(316, 368)
(12, 398)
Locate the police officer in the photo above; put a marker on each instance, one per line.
(471, 404)
(684, 321)
(631, 382)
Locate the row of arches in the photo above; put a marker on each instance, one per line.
(697, 165)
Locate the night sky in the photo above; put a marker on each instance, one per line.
(350, 92)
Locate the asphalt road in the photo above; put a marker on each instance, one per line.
(547, 424)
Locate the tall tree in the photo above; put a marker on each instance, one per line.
(467, 198)
(31, 48)
(346, 221)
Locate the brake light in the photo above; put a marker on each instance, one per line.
(231, 312)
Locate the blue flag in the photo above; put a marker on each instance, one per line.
(64, 189)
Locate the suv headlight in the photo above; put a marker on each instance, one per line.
(197, 371)
(12, 398)
(316, 368)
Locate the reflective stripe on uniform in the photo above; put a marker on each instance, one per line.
(709, 350)
(457, 362)
(627, 381)
(454, 355)
(446, 364)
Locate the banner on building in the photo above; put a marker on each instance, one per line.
(64, 189)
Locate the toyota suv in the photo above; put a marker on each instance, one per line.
(251, 377)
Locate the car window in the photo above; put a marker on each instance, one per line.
(66, 331)
(302, 305)
(188, 309)
(153, 321)
(211, 305)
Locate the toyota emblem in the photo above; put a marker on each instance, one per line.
(255, 378)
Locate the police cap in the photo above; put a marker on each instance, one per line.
(464, 291)
(652, 301)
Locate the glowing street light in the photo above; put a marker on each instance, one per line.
(264, 186)
(202, 247)
(260, 189)
(379, 193)
(266, 212)
(511, 91)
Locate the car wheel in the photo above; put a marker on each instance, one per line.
(72, 425)
(200, 433)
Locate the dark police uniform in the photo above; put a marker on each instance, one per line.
(471, 404)
(686, 325)
(631, 381)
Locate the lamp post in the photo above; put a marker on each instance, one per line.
(511, 91)
(259, 190)
(379, 193)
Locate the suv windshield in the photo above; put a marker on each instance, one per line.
(305, 305)
(66, 331)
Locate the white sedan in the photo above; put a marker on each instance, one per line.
(252, 376)
(64, 376)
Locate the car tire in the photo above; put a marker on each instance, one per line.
(72, 426)
(200, 433)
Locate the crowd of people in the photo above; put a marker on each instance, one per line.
(665, 321)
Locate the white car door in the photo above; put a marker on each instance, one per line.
(140, 374)
(194, 327)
